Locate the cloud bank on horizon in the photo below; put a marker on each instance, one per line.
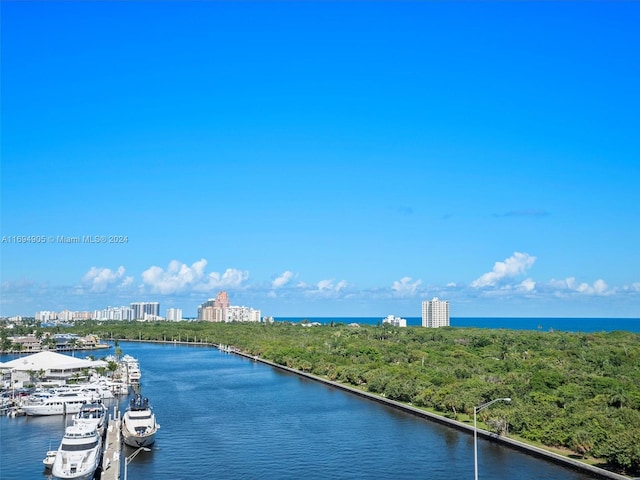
(509, 278)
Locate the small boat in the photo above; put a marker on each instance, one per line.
(49, 459)
(79, 453)
(92, 413)
(139, 425)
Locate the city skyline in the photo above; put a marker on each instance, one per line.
(322, 158)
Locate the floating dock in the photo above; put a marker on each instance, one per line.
(112, 449)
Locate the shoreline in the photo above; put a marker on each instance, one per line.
(532, 450)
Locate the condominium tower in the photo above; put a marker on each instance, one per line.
(143, 310)
(435, 313)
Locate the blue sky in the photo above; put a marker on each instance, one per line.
(323, 158)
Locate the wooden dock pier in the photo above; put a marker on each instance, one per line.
(112, 449)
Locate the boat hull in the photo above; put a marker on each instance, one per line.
(55, 409)
(135, 441)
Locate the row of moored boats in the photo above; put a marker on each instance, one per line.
(81, 448)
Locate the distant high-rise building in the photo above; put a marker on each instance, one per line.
(221, 305)
(435, 313)
(174, 314)
(219, 310)
(205, 310)
(46, 316)
(214, 310)
(142, 310)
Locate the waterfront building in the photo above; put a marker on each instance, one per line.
(47, 366)
(435, 313)
(395, 321)
(174, 314)
(27, 343)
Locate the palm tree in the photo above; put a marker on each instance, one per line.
(73, 344)
(112, 367)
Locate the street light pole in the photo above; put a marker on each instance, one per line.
(127, 460)
(475, 430)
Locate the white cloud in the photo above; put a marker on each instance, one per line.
(99, 279)
(404, 287)
(324, 288)
(570, 284)
(179, 277)
(516, 264)
(282, 280)
(527, 285)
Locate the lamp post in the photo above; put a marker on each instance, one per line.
(127, 460)
(475, 430)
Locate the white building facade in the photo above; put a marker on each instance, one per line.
(174, 314)
(435, 313)
(395, 321)
(242, 314)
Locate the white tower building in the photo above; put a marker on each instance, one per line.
(435, 313)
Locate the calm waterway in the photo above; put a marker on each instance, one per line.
(226, 417)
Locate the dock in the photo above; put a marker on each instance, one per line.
(112, 449)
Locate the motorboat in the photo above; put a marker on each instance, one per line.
(79, 453)
(139, 425)
(132, 369)
(118, 388)
(99, 390)
(49, 459)
(57, 403)
(92, 413)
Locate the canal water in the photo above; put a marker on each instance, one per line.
(226, 417)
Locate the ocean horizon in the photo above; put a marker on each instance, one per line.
(564, 324)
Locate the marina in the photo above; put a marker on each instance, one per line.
(92, 443)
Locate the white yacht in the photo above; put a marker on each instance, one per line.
(99, 389)
(79, 453)
(118, 388)
(56, 403)
(139, 425)
(92, 413)
(132, 369)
